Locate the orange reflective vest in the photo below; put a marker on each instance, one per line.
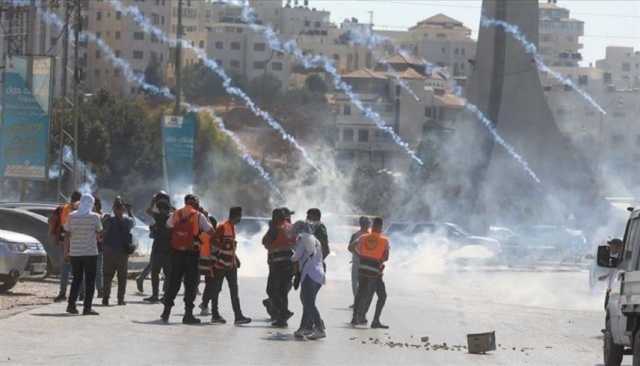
(372, 249)
(186, 228)
(205, 262)
(66, 211)
(224, 246)
(281, 249)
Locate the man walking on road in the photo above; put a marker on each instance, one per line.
(365, 224)
(226, 265)
(373, 250)
(117, 239)
(186, 223)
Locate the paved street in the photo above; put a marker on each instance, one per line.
(539, 318)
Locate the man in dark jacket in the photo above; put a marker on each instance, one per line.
(314, 216)
(117, 238)
(160, 251)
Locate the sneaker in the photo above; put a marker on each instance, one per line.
(302, 332)
(217, 319)
(288, 315)
(140, 284)
(318, 333)
(165, 314)
(72, 310)
(190, 319)
(377, 325)
(204, 310)
(90, 312)
(280, 324)
(122, 303)
(105, 301)
(60, 298)
(242, 320)
(152, 299)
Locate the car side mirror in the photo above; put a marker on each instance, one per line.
(604, 257)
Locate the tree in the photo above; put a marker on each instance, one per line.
(201, 84)
(153, 71)
(315, 84)
(265, 88)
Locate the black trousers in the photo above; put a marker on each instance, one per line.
(160, 262)
(184, 266)
(232, 280)
(115, 263)
(278, 287)
(83, 267)
(367, 287)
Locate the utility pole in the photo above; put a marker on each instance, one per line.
(65, 48)
(178, 61)
(68, 10)
(76, 95)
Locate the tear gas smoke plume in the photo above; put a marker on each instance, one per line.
(52, 18)
(149, 28)
(315, 61)
(531, 49)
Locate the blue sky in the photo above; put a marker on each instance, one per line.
(607, 22)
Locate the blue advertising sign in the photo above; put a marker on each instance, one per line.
(24, 130)
(178, 135)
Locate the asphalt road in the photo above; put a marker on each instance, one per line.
(540, 318)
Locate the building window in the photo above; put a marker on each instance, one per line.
(201, 44)
(138, 55)
(260, 47)
(259, 65)
(235, 63)
(116, 72)
(98, 35)
(219, 45)
(363, 135)
(318, 24)
(347, 135)
(118, 15)
(307, 23)
(235, 45)
(276, 66)
(98, 15)
(117, 53)
(117, 34)
(98, 55)
(138, 36)
(462, 51)
(626, 66)
(347, 110)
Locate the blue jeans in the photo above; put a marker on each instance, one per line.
(65, 272)
(310, 314)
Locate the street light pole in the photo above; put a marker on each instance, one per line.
(178, 61)
(76, 95)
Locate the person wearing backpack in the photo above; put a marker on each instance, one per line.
(117, 245)
(187, 224)
(57, 220)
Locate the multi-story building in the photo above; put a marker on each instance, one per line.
(359, 141)
(559, 41)
(621, 67)
(243, 52)
(442, 40)
(292, 19)
(127, 40)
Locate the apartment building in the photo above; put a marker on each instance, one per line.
(292, 19)
(621, 67)
(360, 142)
(243, 52)
(559, 40)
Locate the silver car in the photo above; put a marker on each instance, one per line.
(21, 256)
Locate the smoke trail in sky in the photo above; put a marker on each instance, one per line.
(531, 49)
(315, 61)
(371, 41)
(227, 82)
(494, 133)
(52, 18)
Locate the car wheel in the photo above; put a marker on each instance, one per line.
(7, 284)
(613, 353)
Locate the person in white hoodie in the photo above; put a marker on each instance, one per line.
(308, 256)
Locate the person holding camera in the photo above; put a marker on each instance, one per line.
(118, 245)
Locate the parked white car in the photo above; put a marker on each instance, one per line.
(21, 256)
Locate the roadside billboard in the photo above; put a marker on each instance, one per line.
(24, 129)
(178, 138)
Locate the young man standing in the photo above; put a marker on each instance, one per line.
(225, 265)
(187, 224)
(59, 218)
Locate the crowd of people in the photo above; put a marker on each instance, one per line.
(188, 243)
